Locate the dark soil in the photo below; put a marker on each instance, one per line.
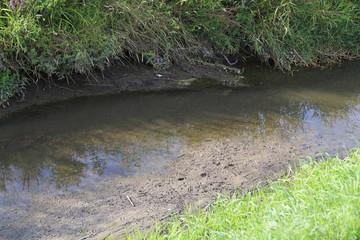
(125, 78)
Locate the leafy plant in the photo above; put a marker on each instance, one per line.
(10, 86)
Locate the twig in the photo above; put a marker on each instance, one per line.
(229, 9)
(92, 234)
(86, 237)
(220, 15)
(300, 57)
(73, 90)
(230, 63)
(99, 85)
(132, 204)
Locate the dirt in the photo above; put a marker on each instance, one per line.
(123, 78)
(122, 205)
(192, 180)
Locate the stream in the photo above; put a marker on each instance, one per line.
(72, 145)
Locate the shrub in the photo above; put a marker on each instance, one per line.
(10, 85)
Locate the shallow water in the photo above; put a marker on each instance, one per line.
(74, 144)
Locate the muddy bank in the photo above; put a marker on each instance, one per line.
(194, 178)
(234, 139)
(122, 78)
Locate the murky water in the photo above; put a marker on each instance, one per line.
(74, 144)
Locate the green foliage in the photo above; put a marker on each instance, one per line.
(287, 33)
(211, 21)
(10, 85)
(157, 62)
(58, 38)
(55, 39)
(320, 201)
(302, 33)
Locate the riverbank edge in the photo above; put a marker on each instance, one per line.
(46, 40)
(288, 206)
(124, 79)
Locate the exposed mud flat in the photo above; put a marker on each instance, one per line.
(122, 79)
(194, 178)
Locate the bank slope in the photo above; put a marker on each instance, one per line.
(52, 40)
(320, 201)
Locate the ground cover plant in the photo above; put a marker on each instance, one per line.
(51, 40)
(321, 200)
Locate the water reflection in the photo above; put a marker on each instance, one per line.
(43, 164)
(80, 142)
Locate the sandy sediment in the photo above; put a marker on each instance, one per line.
(193, 179)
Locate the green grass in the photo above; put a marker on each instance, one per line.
(53, 40)
(284, 33)
(321, 200)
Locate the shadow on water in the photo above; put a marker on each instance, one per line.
(73, 144)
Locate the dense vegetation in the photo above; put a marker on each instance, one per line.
(54, 39)
(320, 201)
